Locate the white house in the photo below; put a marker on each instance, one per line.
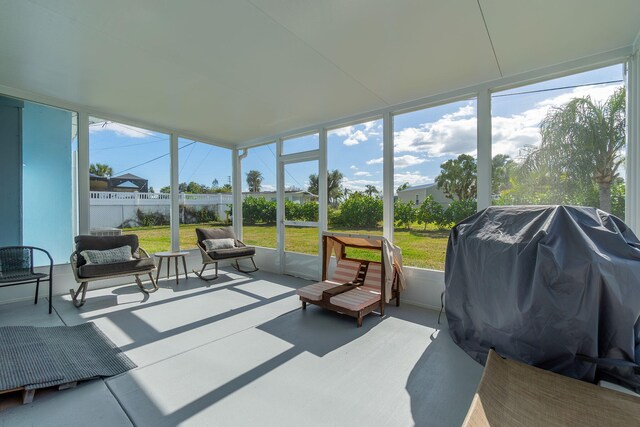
(418, 193)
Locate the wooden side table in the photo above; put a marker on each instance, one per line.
(175, 256)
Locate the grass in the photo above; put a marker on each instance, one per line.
(420, 248)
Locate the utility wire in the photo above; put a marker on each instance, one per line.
(149, 161)
(557, 88)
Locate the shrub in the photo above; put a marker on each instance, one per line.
(258, 210)
(430, 211)
(149, 219)
(307, 211)
(194, 215)
(404, 213)
(459, 210)
(360, 211)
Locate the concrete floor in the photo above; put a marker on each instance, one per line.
(240, 351)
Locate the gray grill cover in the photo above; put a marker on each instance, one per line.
(542, 284)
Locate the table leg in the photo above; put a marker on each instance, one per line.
(168, 267)
(177, 275)
(184, 264)
(159, 268)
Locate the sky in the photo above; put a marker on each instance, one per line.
(423, 140)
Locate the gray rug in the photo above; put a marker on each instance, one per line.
(35, 357)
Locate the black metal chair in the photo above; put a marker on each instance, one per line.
(16, 268)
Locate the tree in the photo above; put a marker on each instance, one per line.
(404, 213)
(165, 190)
(101, 169)
(583, 142)
(501, 167)
(458, 177)
(430, 211)
(334, 185)
(403, 186)
(254, 181)
(370, 190)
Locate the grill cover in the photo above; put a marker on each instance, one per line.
(547, 285)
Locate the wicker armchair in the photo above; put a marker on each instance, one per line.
(16, 268)
(140, 264)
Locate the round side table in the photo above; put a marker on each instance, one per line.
(175, 256)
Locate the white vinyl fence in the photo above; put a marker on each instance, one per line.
(112, 209)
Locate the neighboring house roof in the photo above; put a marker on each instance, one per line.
(419, 187)
(127, 184)
(94, 176)
(127, 176)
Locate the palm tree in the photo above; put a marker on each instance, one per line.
(583, 140)
(254, 181)
(370, 190)
(334, 185)
(101, 169)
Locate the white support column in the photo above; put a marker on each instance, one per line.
(484, 149)
(323, 192)
(83, 173)
(632, 198)
(387, 176)
(175, 200)
(236, 183)
(280, 204)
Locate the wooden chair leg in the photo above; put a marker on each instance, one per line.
(37, 290)
(359, 320)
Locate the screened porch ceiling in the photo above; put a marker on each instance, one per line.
(234, 71)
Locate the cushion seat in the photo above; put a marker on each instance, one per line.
(232, 252)
(314, 292)
(357, 299)
(134, 266)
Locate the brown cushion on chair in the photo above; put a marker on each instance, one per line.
(98, 270)
(101, 243)
(232, 253)
(215, 233)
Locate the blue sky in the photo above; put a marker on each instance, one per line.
(423, 140)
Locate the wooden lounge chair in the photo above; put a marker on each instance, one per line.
(237, 252)
(357, 287)
(140, 264)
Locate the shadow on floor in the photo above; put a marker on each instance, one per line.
(442, 383)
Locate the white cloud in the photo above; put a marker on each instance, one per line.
(354, 135)
(413, 178)
(360, 184)
(362, 173)
(354, 167)
(512, 133)
(121, 130)
(451, 135)
(356, 138)
(407, 160)
(455, 133)
(375, 161)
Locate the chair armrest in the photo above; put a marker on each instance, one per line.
(143, 252)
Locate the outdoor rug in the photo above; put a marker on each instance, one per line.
(37, 357)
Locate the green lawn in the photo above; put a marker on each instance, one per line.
(420, 248)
